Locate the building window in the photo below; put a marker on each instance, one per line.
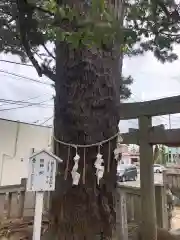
(134, 160)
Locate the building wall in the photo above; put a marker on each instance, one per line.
(126, 159)
(129, 153)
(174, 154)
(17, 140)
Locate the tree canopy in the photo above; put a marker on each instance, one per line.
(27, 25)
(27, 45)
(125, 91)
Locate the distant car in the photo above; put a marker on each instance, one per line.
(126, 172)
(158, 168)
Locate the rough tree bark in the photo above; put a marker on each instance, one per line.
(86, 111)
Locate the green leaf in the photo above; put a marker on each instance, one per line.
(60, 35)
(61, 12)
(73, 39)
(51, 5)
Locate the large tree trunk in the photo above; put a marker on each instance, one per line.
(86, 111)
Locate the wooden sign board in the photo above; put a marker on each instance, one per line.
(42, 172)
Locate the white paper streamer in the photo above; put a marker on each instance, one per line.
(75, 175)
(99, 167)
(117, 150)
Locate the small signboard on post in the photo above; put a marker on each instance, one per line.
(41, 177)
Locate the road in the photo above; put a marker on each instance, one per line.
(157, 179)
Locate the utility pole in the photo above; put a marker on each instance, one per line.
(169, 121)
(171, 158)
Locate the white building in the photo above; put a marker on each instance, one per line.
(126, 158)
(17, 140)
(130, 154)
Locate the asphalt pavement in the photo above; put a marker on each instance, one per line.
(157, 180)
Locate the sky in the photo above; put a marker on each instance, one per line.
(152, 80)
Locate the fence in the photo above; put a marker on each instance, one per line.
(15, 202)
(129, 208)
(171, 179)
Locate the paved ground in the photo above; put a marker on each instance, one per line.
(157, 180)
(175, 224)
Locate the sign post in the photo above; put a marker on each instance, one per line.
(38, 215)
(41, 178)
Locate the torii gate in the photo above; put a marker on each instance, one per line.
(146, 137)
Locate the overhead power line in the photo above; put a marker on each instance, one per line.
(28, 105)
(7, 103)
(11, 102)
(14, 102)
(24, 77)
(45, 121)
(23, 101)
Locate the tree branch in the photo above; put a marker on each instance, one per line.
(48, 72)
(40, 9)
(163, 7)
(23, 36)
(50, 54)
(41, 70)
